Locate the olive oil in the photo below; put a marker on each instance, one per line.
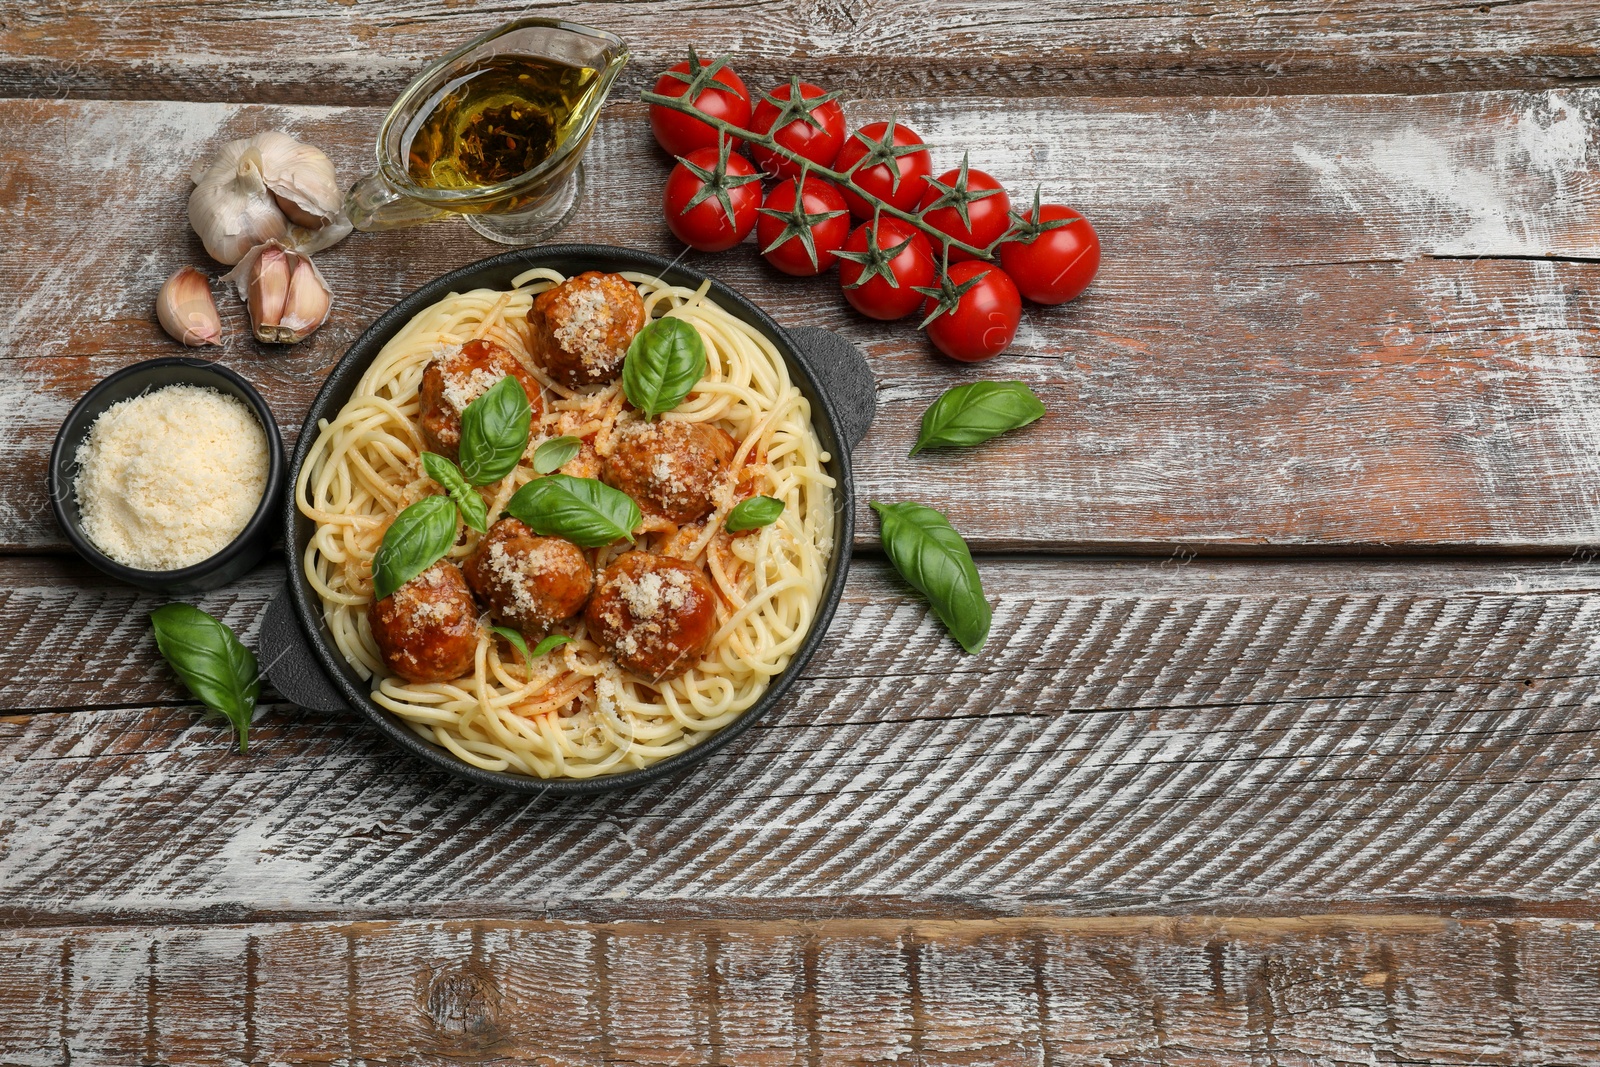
(498, 120)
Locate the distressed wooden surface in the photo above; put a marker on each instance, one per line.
(1322, 322)
(1114, 991)
(1178, 737)
(365, 51)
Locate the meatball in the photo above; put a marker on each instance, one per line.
(529, 582)
(670, 468)
(427, 630)
(456, 379)
(655, 615)
(579, 330)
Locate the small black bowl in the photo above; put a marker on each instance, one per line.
(244, 551)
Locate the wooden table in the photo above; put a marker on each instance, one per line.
(1282, 751)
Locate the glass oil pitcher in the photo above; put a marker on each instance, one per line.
(494, 131)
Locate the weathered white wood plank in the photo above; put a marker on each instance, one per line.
(1135, 735)
(366, 50)
(1283, 348)
(1314, 989)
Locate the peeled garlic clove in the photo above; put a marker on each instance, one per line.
(269, 187)
(287, 295)
(309, 301)
(186, 310)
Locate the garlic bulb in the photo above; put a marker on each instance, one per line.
(269, 187)
(287, 296)
(187, 311)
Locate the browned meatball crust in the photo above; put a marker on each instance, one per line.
(656, 616)
(527, 581)
(457, 378)
(670, 468)
(427, 630)
(579, 331)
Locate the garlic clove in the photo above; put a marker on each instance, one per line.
(286, 294)
(186, 310)
(267, 290)
(309, 301)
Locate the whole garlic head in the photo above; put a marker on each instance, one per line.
(269, 187)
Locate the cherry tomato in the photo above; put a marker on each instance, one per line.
(986, 315)
(819, 143)
(866, 146)
(888, 291)
(987, 206)
(1055, 265)
(724, 97)
(782, 229)
(707, 225)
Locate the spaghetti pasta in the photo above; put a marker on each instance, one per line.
(575, 713)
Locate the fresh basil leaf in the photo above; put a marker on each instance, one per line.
(929, 554)
(665, 362)
(753, 512)
(550, 644)
(494, 432)
(555, 453)
(416, 540)
(971, 414)
(583, 510)
(516, 641)
(211, 663)
(474, 512)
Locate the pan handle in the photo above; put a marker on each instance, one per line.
(841, 371)
(289, 663)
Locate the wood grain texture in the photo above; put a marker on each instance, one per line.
(1127, 992)
(365, 51)
(1321, 322)
(1168, 738)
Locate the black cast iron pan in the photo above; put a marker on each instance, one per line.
(299, 656)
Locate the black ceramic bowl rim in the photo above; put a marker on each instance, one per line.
(308, 606)
(64, 455)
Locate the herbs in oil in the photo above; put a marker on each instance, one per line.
(501, 119)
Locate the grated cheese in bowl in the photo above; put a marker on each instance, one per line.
(169, 478)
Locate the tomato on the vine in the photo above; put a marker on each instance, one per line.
(975, 313)
(881, 266)
(967, 205)
(803, 119)
(889, 162)
(801, 232)
(711, 198)
(1054, 255)
(714, 89)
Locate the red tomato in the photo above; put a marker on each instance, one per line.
(819, 143)
(788, 235)
(1051, 266)
(888, 291)
(987, 207)
(693, 199)
(894, 172)
(985, 317)
(722, 96)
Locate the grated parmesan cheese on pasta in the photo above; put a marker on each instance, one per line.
(168, 479)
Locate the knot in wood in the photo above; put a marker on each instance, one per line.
(463, 1003)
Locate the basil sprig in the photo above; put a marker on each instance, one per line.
(416, 540)
(972, 414)
(516, 640)
(665, 362)
(929, 554)
(549, 644)
(211, 662)
(494, 432)
(555, 453)
(754, 512)
(584, 511)
(473, 510)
